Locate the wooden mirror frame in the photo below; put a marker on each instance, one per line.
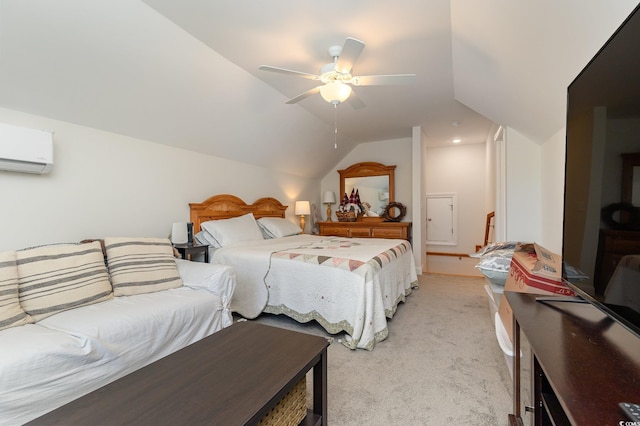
(366, 169)
(629, 161)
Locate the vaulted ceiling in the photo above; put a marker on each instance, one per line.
(185, 73)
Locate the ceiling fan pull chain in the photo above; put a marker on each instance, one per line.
(335, 126)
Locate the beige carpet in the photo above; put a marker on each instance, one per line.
(440, 364)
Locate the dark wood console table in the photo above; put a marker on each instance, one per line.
(233, 377)
(583, 363)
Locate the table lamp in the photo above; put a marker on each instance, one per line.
(302, 208)
(329, 198)
(179, 233)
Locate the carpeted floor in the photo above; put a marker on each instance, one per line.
(440, 364)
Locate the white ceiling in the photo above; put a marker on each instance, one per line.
(185, 73)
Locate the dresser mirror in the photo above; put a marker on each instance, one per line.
(374, 182)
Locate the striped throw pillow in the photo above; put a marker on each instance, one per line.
(141, 265)
(11, 313)
(58, 277)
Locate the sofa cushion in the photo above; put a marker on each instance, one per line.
(58, 277)
(11, 313)
(141, 265)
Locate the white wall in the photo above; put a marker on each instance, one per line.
(523, 188)
(491, 165)
(458, 169)
(535, 189)
(104, 184)
(461, 170)
(419, 201)
(552, 186)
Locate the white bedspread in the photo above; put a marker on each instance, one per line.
(346, 284)
(75, 352)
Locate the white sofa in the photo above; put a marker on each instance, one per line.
(52, 355)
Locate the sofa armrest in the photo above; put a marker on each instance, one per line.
(217, 279)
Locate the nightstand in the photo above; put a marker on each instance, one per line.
(187, 250)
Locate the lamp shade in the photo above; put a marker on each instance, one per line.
(302, 207)
(335, 92)
(179, 233)
(329, 197)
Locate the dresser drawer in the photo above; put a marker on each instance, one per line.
(623, 245)
(338, 231)
(361, 232)
(365, 229)
(388, 233)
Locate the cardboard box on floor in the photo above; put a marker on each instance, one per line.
(533, 269)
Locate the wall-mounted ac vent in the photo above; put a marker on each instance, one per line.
(25, 150)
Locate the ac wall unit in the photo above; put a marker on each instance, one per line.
(25, 150)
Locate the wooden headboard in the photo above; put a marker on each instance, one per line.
(225, 206)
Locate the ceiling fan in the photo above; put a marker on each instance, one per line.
(337, 79)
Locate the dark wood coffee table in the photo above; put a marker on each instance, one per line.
(233, 377)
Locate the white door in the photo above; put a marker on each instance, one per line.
(441, 219)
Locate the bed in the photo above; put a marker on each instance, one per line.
(350, 285)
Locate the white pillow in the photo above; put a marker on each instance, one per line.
(203, 237)
(496, 263)
(276, 227)
(489, 249)
(11, 313)
(226, 231)
(58, 277)
(141, 265)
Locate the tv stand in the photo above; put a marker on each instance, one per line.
(582, 365)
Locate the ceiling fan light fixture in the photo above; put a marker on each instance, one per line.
(335, 92)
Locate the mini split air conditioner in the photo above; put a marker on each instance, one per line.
(25, 150)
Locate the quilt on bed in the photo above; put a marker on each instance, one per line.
(345, 284)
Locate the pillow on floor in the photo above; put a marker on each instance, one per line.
(58, 277)
(141, 265)
(11, 313)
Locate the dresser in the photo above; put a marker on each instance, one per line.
(366, 229)
(614, 245)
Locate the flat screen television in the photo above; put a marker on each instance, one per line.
(601, 229)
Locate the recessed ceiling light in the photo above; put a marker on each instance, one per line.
(456, 140)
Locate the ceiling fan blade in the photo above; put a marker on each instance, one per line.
(355, 101)
(378, 80)
(289, 72)
(304, 95)
(350, 53)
